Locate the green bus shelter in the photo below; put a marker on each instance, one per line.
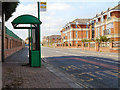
(33, 25)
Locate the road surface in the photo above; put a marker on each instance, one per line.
(92, 69)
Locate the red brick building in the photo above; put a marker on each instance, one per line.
(75, 31)
(107, 23)
(50, 40)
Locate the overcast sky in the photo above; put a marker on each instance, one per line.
(58, 13)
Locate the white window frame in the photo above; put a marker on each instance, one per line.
(76, 41)
(103, 30)
(76, 35)
(98, 31)
(102, 19)
(70, 35)
(96, 20)
(87, 34)
(108, 15)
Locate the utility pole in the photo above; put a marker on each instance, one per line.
(3, 34)
(39, 30)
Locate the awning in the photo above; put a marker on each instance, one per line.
(25, 19)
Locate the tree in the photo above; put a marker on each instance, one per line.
(28, 38)
(103, 39)
(8, 8)
(97, 40)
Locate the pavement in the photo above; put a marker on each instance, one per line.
(17, 74)
(87, 69)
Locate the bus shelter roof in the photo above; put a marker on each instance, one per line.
(25, 19)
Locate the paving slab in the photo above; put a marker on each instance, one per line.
(17, 74)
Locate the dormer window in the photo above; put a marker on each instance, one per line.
(102, 18)
(76, 23)
(96, 20)
(90, 21)
(108, 15)
(86, 25)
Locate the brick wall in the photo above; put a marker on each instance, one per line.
(95, 47)
(12, 45)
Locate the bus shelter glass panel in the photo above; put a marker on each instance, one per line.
(35, 39)
(35, 47)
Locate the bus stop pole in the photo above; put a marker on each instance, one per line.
(29, 46)
(39, 30)
(31, 36)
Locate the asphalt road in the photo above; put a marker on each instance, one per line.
(92, 69)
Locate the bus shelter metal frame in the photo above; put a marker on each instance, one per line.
(34, 24)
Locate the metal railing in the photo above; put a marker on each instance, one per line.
(92, 44)
(86, 44)
(104, 44)
(116, 44)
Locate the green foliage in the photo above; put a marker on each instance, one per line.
(103, 39)
(97, 40)
(85, 40)
(28, 38)
(111, 40)
(9, 8)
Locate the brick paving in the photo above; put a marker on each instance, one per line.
(16, 74)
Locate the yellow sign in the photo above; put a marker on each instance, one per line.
(43, 6)
(43, 3)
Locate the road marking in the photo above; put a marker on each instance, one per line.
(100, 74)
(100, 64)
(106, 60)
(85, 56)
(111, 73)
